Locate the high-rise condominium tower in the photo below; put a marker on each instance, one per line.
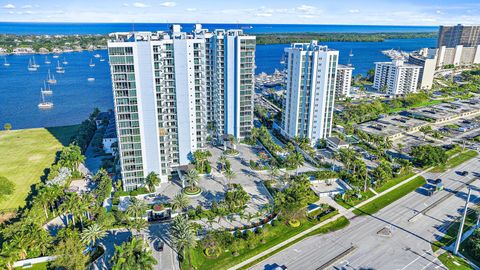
(452, 36)
(396, 77)
(169, 87)
(310, 93)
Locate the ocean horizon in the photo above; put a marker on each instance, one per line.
(62, 28)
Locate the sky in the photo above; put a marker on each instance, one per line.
(360, 12)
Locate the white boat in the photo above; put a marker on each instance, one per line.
(5, 63)
(91, 63)
(35, 65)
(30, 66)
(91, 79)
(351, 53)
(55, 56)
(47, 91)
(64, 61)
(102, 59)
(50, 78)
(60, 69)
(97, 55)
(47, 62)
(44, 105)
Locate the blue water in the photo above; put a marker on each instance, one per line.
(74, 97)
(105, 28)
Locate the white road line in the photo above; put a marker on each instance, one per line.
(420, 256)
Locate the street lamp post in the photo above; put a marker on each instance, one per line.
(460, 230)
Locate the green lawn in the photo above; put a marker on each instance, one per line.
(394, 181)
(423, 104)
(453, 262)
(24, 155)
(452, 231)
(455, 161)
(335, 225)
(388, 198)
(38, 266)
(273, 236)
(352, 202)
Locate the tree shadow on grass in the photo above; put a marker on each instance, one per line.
(64, 134)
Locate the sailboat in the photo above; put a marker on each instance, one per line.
(60, 69)
(46, 89)
(91, 63)
(47, 62)
(102, 59)
(97, 55)
(65, 61)
(351, 53)
(30, 66)
(91, 79)
(5, 63)
(51, 78)
(35, 65)
(55, 56)
(44, 104)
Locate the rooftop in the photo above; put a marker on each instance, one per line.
(392, 125)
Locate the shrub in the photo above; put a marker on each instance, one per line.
(259, 230)
(275, 223)
(208, 168)
(238, 233)
(191, 213)
(248, 234)
(294, 223)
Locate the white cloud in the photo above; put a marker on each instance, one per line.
(29, 12)
(306, 16)
(11, 12)
(27, 6)
(9, 6)
(191, 9)
(139, 5)
(125, 4)
(168, 4)
(264, 14)
(306, 9)
(354, 11)
(439, 12)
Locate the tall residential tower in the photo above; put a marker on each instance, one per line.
(310, 92)
(169, 87)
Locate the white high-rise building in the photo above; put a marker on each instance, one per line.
(310, 91)
(344, 80)
(396, 77)
(167, 90)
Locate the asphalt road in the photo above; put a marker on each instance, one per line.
(407, 248)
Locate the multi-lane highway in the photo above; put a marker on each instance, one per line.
(405, 245)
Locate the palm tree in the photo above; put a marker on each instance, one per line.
(151, 181)
(43, 198)
(133, 254)
(180, 202)
(192, 178)
(136, 209)
(274, 172)
(70, 206)
(230, 175)
(295, 160)
(183, 236)
(222, 160)
(92, 234)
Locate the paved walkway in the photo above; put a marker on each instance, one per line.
(348, 214)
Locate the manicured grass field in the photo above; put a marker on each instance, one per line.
(38, 266)
(388, 198)
(394, 181)
(453, 262)
(352, 202)
(455, 161)
(24, 155)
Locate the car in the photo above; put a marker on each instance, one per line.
(437, 181)
(158, 245)
(464, 173)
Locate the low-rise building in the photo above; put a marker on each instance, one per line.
(448, 111)
(335, 143)
(22, 50)
(344, 80)
(396, 77)
(393, 126)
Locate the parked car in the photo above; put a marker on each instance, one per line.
(158, 245)
(464, 173)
